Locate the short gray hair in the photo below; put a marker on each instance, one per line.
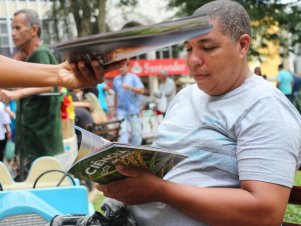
(232, 18)
(32, 18)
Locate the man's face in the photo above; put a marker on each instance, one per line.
(22, 33)
(257, 71)
(216, 61)
(124, 70)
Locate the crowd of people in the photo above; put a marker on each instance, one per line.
(37, 117)
(36, 107)
(243, 148)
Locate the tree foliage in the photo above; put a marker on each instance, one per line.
(272, 22)
(88, 16)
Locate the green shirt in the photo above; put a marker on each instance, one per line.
(38, 130)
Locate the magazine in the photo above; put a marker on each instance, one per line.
(129, 42)
(97, 159)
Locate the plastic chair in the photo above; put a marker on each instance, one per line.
(6, 182)
(98, 114)
(46, 171)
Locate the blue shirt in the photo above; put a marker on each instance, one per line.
(102, 96)
(127, 101)
(285, 79)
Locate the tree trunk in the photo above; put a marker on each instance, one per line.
(55, 21)
(102, 16)
(86, 25)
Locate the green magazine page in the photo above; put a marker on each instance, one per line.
(99, 164)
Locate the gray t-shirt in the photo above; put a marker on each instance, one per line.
(250, 133)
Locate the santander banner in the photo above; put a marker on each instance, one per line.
(155, 67)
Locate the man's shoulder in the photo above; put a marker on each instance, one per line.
(285, 73)
(189, 90)
(43, 49)
(43, 54)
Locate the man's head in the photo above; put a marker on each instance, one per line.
(124, 69)
(218, 60)
(233, 19)
(257, 71)
(26, 27)
(163, 76)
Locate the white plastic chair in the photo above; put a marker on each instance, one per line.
(6, 180)
(46, 171)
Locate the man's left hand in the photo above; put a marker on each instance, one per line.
(80, 75)
(139, 187)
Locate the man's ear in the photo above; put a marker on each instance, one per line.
(244, 42)
(34, 30)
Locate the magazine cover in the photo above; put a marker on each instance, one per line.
(114, 46)
(98, 158)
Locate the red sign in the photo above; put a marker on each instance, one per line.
(155, 67)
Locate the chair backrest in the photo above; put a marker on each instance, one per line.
(108, 130)
(6, 182)
(294, 199)
(46, 171)
(98, 114)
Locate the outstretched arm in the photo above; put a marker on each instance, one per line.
(254, 203)
(15, 73)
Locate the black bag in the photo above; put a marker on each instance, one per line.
(120, 217)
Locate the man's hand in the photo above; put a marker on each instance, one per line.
(126, 86)
(6, 96)
(80, 75)
(139, 187)
(8, 134)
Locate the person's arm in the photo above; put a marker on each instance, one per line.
(6, 95)
(12, 115)
(133, 88)
(15, 73)
(8, 131)
(82, 104)
(254, 203)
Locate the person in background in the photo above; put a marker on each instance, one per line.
(128, 87)
(11, 109)
(82, 110)
(93, 90)
(5, 132)
(103, 88)
(243, 148)
(38, 123)
(166, 92)
(257, 71)
(285, 82)
(297, 84)
(297, 92)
